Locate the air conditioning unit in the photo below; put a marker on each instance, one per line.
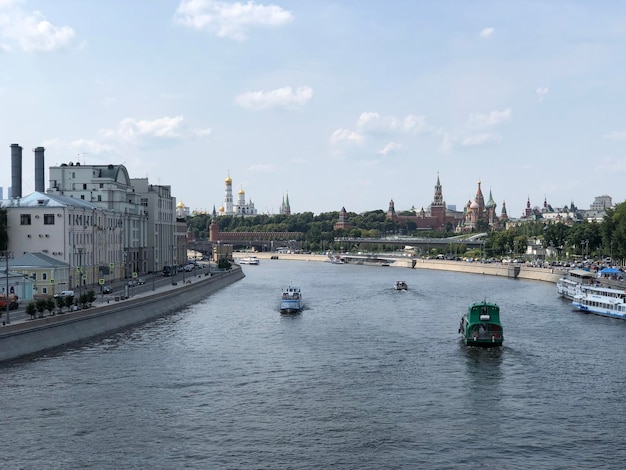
(36, 216)
(59, 215)
(54, 253)
(47, 235)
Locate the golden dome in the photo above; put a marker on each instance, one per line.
(241, 191)
(221, 209)
(228, 180)
(180, 205)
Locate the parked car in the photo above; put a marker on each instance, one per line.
(141, 281)
(65, 293)
(107, 290)
(132, 283)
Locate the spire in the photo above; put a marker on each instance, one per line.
(491, 202)
(438, 198)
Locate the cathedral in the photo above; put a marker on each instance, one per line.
(242, 208)
(438, 217)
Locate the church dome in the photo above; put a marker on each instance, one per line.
(180, 205)
(241, 191)
(221, 209)
(474, 205)
(228, 180)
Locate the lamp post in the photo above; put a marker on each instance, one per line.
(174, 266)
(6, 292)
(153, 266)
(80, 272)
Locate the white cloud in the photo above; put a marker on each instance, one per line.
(346, 136)
(391, 147)
(448, 140)
(486, 32)
(202, 132)
(616, 135)
(375, 123)
(484, 121)
(262, 168)
(229, 20)
(31, 32)
(480, 139)
(88, 146)
(285, 97)
(165, 127)
(541, 92)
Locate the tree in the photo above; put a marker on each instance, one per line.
(31, 310)
(50, 305)
(60, 301)
(41, 305)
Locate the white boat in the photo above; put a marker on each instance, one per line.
(400, 285)
(567, 286)
(335, 259)
(291, 300)
(249, 260)
(604, 305)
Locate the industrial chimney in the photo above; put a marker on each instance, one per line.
(39, 171)
(16, 171)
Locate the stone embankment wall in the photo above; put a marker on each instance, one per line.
(36, 336)
(492, 269)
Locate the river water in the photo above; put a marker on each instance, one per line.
(365, 377)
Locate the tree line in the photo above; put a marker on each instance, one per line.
(590, 239)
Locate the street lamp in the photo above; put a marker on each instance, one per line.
(6, 292)
(153, 265)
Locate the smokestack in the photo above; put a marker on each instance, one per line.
(16, 171)
(39, 177)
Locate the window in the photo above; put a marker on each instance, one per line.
(82, 196)
(99, 198)
(25, 219)
(48, 219)
(44, 276)
(45, 290)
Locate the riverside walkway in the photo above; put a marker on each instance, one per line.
(493, 269)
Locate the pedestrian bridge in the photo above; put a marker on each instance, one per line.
(473, 241)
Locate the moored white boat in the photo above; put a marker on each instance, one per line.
(249, 260)
(567, 286)
(291, 300)
(604, 305)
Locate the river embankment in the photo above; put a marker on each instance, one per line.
(516, 271)
(33, 337)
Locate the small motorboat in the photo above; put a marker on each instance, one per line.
(400, 285)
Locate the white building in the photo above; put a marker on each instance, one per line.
(88, 238)
(241, 208)
(160, 211)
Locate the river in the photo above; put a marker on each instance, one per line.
(365, 377)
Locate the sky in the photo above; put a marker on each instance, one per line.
(345, 103)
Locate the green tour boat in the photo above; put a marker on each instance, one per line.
(481, 327)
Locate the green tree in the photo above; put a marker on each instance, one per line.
(50, 305)
(60, 301)
(41, 305)
(31, 310)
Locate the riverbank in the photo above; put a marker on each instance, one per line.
(23, 338)
(491, 269)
